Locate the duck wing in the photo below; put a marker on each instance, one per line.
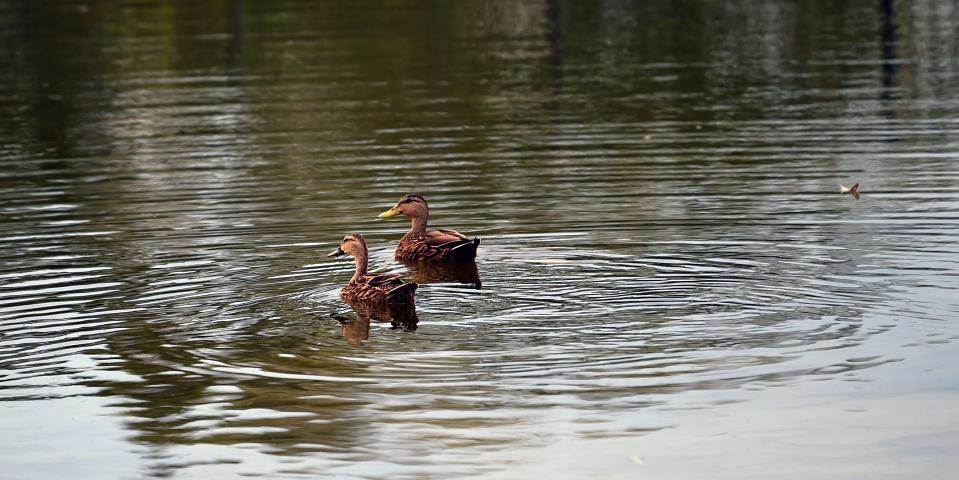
(383, 279)
(404, 293)
(446, 238)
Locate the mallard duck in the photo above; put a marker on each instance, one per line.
(422, 245)
(371, 288)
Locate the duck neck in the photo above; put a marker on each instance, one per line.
(362, 261)
(419, 223)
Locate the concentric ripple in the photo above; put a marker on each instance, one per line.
(665, 253)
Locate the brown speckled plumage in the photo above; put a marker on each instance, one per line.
(422, 245)
(417, 247)
(371, 288)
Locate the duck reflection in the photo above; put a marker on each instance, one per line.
(356, 328)
(464, 273)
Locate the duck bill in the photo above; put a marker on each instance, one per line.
(390, 213)
(337, 252)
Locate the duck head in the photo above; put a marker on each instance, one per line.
(412, 205)
(353, 245)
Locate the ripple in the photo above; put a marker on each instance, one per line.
(664, 246)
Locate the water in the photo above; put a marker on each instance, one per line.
(669, 284)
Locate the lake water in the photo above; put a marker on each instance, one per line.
(669, 286)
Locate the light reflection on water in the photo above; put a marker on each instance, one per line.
(665, 251)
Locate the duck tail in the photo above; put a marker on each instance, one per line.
(464, 250)
(402, 294)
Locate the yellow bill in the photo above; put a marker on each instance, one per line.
(390, 213)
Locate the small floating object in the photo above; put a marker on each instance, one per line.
(853, 190)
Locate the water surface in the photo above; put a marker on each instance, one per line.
(669, 282)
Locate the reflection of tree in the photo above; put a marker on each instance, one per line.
(58, 97)
(887, 39)
(324, 77)
(191, 383)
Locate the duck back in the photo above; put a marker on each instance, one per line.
(379, 289)
(419, 248)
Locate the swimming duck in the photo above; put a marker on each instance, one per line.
(371, 288)
(422, 245)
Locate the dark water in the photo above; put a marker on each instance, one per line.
(669, 285)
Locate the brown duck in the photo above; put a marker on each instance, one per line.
(371, 288)
(422, 245)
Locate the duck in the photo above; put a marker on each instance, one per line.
(375, 288)
(422, 245)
